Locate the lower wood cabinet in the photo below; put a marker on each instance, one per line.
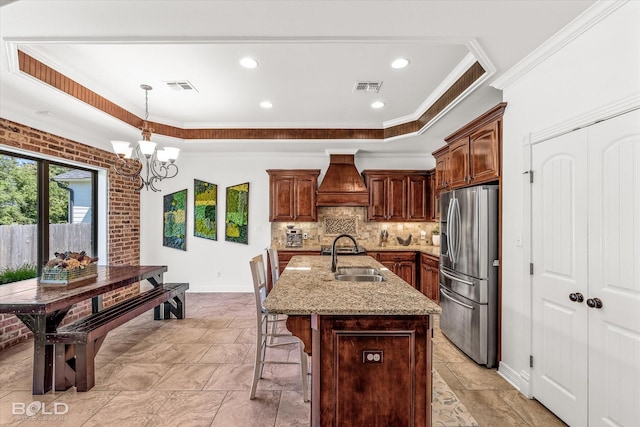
(401, 263)
(429, 273)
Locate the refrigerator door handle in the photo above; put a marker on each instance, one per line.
(449, 237)
(444, 294)
(449, 276)
(455, 227)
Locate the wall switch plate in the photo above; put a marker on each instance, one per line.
(305, 236)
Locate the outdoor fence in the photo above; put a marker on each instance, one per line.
(19, 243)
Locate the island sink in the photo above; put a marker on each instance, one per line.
(341, 321)
(359, 274)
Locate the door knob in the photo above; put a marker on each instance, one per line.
(576, 297)
(594, 302)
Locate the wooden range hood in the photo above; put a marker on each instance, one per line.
(342, 185)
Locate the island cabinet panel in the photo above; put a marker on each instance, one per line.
(292, 194)
(371, 370)
(429, 274)
(397, 195)
(401, 263)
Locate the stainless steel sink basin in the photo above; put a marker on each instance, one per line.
(359, 278)
(359, 271)
(359, 274)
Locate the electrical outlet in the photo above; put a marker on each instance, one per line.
(372, 356)
(305, 236)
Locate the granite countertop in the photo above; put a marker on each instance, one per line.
(307, 286)
(427, 249)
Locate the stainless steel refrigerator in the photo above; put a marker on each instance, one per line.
(469, 271)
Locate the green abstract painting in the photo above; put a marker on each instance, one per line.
(205, 207)
(175, 220)
(237, 220)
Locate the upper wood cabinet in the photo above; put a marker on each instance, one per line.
(458, 163)
(472, 154)
(442, 168)
(418, 198)
(433, 196)
(397, 195)
(292, 194)
(484, 151)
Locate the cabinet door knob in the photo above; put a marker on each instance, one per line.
(576, 297)
(594, 303)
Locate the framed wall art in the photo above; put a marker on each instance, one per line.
(205, 208)
(175, 220)
(237, 218)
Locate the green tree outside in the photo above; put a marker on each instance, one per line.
(19, 193)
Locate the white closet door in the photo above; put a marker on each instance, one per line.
(614, 271)
(559, 255)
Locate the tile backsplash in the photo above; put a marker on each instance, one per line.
(333, 221)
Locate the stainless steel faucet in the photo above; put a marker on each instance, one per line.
(334, 253)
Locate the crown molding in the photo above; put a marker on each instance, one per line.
(616, 108)
(571, 31)
(451, 78)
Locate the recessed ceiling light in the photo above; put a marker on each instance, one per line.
(266, 104)
(377, 104)
(400, 63)
(248, 62)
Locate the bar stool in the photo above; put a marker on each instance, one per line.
(265, 332)
(272, 259)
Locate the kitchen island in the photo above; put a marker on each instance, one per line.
(370, 342)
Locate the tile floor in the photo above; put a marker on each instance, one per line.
(197, 372)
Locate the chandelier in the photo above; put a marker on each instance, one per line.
(145, 163)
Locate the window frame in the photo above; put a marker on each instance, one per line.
(42, 185)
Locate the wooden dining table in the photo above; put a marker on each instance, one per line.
(42, 308)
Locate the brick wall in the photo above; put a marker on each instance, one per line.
(123, 213)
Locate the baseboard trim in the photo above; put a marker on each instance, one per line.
(515, 379)
(220, 289)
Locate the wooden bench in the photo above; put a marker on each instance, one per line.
(77, 343)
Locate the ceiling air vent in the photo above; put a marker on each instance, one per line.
(181, 85)
(367, 87)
